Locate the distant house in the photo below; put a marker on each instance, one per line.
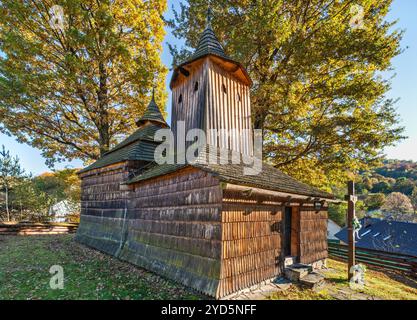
(63, 211)
(385, 235)
(332, 229)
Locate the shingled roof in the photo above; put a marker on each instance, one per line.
(152, 114)
(208, 45)
(385, 235)
(138, 146)
(269, 177)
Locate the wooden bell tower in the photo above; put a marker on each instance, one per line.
(211, 91)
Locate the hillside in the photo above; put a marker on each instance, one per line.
(388, 190)
(392, 176)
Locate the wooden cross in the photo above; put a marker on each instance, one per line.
(351, 199)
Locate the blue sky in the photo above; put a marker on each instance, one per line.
(404, 86)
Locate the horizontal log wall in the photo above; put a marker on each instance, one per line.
(313, 235)
(251, 243)
(27, 229)
(104, 207)
(174, 228)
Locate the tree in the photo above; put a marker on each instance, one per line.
(375, 201)
(397, 205)
(337, 213)
(10, 171)
(413, 199)
(59, 185)
(30, 203)
(381, 187)
(75, 77)
(404, 185)
(318, 95)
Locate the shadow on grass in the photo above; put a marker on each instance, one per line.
(407, 280)
(337, 280)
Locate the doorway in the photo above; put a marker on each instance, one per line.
(287, 232)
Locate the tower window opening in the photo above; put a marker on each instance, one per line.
(239, 98)
(224, 88)
(196, 86)
(180, 99)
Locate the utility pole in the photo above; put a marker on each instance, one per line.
(351, 199)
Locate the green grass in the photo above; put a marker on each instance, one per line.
(88, 274)
(384, 285)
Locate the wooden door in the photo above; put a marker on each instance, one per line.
(287, 231)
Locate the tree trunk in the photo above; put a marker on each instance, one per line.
(259, 122)
(102, 97)
(7, 203)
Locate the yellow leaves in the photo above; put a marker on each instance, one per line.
(104, 64)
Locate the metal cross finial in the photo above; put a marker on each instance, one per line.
(209, 15)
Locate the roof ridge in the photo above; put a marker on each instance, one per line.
(234, 173)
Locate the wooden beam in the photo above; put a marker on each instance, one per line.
(281, 195)
(351, 237)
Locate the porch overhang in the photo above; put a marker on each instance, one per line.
(276, 195)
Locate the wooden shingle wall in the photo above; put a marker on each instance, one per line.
(251, 243)
(174, 228)
(313, 235)
(185, 226)
(103, 207)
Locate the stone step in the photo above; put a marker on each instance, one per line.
(296, 272)
(313, 281)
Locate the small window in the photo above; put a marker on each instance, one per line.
(224, 88)
(196, 86)
(238, 97)
(180, 99)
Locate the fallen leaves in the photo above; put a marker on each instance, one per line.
(89, 274)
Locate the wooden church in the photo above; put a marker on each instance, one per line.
(205, 225)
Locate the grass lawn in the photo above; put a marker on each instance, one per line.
(385, 285)
(378, 285)
(88, 274)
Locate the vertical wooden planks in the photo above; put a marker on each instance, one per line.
(251, 243)
(313, 235)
